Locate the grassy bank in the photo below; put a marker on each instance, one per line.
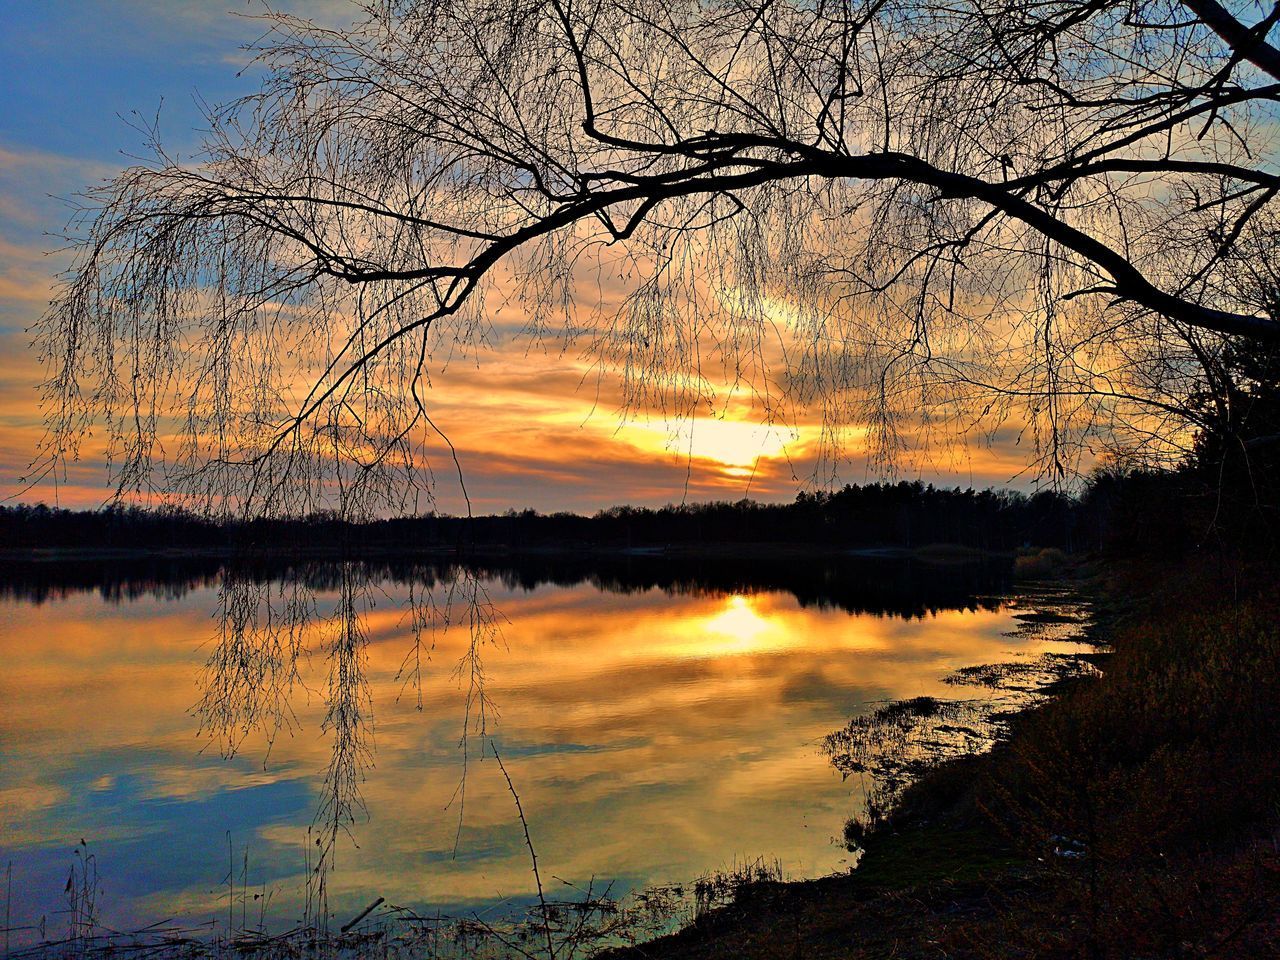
(1137, 814)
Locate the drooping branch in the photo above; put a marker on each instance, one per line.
(867, 207)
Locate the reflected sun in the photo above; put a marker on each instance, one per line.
(736, 627)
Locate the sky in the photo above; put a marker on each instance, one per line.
(77, 77)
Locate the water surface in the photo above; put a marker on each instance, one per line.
(193, 722)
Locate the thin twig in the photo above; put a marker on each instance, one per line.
(533, 855)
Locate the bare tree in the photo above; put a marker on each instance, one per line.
(903, 213)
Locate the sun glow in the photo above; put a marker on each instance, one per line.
(735, 444)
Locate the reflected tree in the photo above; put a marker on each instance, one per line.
(268, 628)
(348, 722)
(253, 666)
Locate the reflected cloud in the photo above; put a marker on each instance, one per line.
(637, 722)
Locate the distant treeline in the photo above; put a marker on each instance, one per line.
(1117, 509)
(879, 514)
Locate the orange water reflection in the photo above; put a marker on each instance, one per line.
(652, 736)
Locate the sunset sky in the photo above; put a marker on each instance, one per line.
(533, 426)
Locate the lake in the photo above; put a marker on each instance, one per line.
(214, 733)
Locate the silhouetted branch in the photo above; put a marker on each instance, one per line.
(866, 213)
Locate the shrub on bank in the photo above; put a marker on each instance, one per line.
(1149, 800)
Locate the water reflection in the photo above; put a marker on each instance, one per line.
(658, 719)
(877, 585)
